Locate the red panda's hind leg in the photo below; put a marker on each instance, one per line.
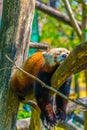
(44, 101)
(61, 103)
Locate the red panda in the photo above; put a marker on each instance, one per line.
(43, 65)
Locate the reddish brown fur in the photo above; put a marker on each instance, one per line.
(32, 65)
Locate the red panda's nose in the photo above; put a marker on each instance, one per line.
(64, 55)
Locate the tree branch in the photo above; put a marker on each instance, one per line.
(68, 126)
(23, 124)
(42, 45)
(33, 104)
(72, 18)
(54, 13)
(75, 62)
(78, 119)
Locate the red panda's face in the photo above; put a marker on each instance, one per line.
(55, 56)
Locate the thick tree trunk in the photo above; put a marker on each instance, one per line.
(14, 37)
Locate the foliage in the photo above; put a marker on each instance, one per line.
(22, 113)
(56, 33)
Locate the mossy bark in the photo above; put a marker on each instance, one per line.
(14, 38)
(35, 123)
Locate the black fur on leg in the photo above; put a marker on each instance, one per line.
(44, 100)
(61, 103)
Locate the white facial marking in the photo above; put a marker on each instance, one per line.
(56, 56)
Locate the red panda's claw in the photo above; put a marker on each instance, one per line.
(47, 122)
(60, 115)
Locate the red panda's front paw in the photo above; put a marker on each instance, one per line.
(48, 117)
(48, 122)
(60, 115)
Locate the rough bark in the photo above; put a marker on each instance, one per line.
(14, 38)
(75, 62)
(35, 122)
